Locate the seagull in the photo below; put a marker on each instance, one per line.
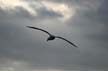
(52, 37)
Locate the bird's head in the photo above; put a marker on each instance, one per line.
(50, 38)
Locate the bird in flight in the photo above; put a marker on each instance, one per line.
(52, 37)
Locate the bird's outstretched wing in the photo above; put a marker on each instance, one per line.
(38, 29)
(66, 40)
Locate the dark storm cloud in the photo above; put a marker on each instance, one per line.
(102, 13)
(101, 19)
(92, 23)
(22, 44)
(93, 20)
(100, 37)
(98, 14)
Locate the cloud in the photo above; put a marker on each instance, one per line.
(7, 5)
(60, 8)
(23, 48)
(33, 7)
(18, 65)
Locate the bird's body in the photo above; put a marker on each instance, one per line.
(52, 37)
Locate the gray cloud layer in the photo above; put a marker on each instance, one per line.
(88, 27)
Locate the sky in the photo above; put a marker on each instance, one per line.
(83, 22)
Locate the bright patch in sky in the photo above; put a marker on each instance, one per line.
(33, 6)
(60, 8)
(12, 4)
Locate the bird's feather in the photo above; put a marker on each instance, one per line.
(66, 40)
(52, 35)
(39, 29)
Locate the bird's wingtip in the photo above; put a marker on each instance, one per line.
(76, 46)
(29, 26)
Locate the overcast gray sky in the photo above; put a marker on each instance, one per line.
(84, 22)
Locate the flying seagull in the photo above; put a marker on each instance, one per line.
(52, 37)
